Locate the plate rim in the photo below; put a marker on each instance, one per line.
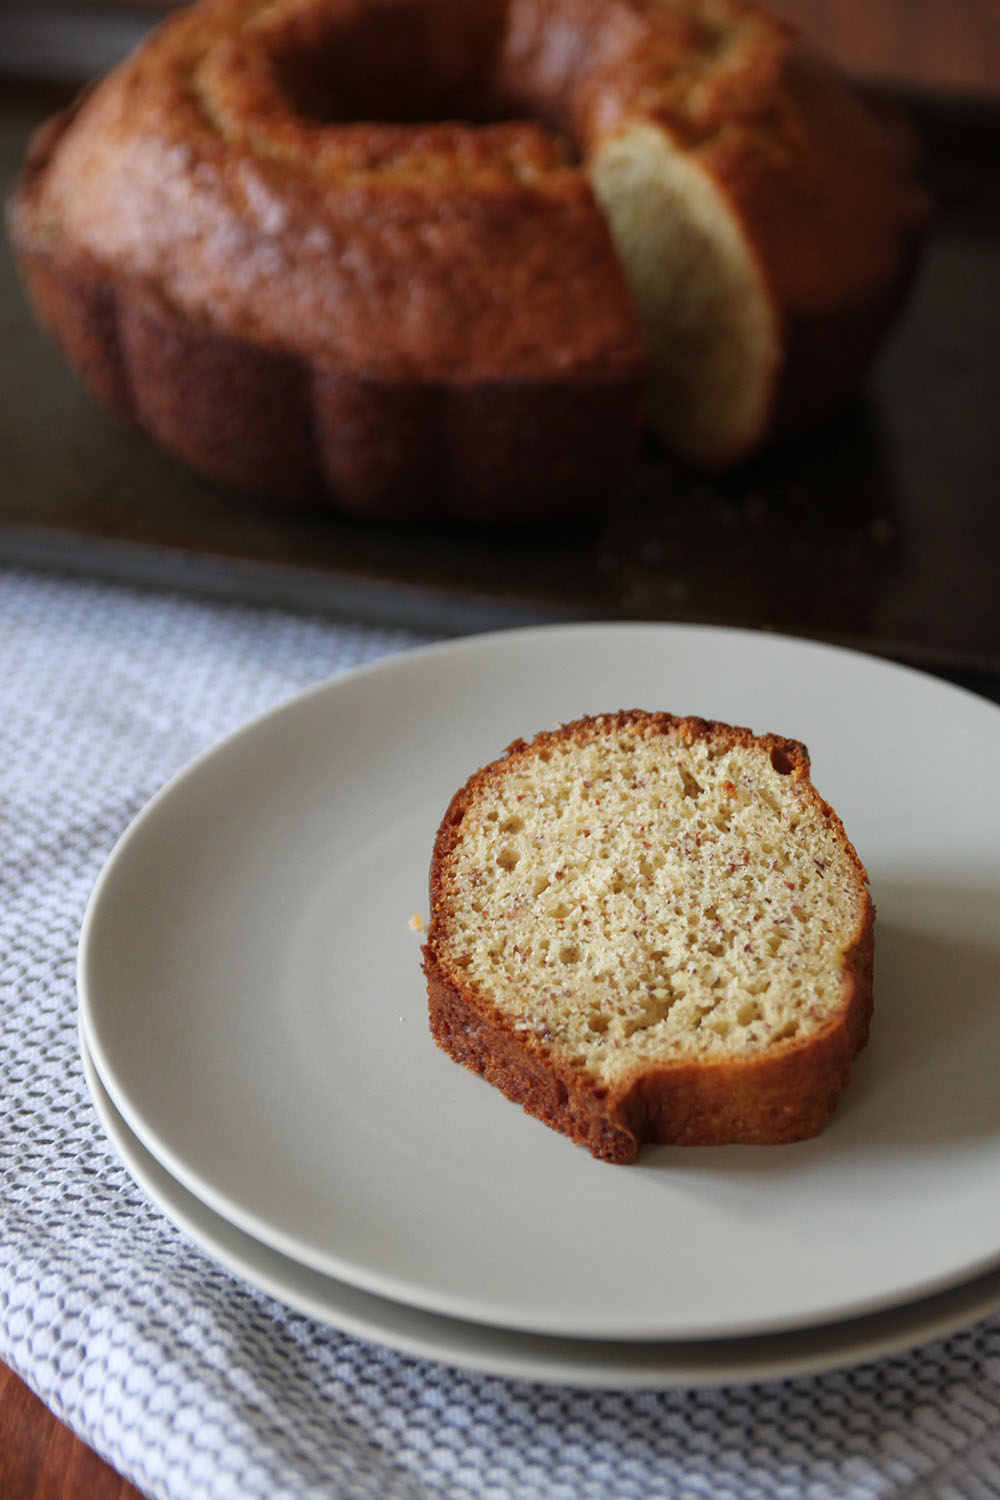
(513, 1354)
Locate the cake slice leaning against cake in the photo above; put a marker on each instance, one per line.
(647, 928)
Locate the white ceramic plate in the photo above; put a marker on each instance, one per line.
(251, 994)
(526, 1356)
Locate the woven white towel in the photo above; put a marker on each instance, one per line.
(193, 1385)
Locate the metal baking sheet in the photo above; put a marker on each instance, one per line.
(882, 532)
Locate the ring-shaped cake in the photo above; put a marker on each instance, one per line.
(434, 258)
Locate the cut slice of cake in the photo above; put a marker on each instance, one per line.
(647, 928)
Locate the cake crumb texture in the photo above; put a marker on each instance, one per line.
(646, 927)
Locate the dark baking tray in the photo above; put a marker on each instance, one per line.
(882, 532)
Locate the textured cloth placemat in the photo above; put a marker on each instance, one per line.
(190, 1383)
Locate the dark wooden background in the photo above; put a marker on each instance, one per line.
(945, 46)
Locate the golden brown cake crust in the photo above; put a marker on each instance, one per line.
(434, 315)
(387, 314)
(784, 1093)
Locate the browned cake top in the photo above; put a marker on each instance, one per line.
(273, 167)
(388, 247)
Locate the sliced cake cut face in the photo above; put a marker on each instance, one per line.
(635, 893)
(713, 335)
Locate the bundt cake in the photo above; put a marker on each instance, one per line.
(651, 929)
(441, 258)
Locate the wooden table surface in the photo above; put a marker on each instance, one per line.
(921, 44)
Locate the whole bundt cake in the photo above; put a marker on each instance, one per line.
(441, 258)
(652, 929)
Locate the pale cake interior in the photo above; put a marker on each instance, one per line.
(634, 898)
(706, 317)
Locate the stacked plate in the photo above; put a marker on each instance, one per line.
(253, 1029)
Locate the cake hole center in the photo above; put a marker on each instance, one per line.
(419, 62)
(410, 63)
